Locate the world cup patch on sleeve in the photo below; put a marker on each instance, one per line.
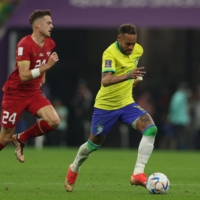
(108, 63)
(20, 51)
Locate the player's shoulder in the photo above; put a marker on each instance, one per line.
(25, 40)
(110, 49)
(138, 48)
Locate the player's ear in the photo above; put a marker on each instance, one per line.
(118, 38)
(37, 23)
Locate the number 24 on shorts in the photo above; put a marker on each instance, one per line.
(8, 118)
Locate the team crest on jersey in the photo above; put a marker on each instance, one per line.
(99, 129)
(108, 63)
(48, 53)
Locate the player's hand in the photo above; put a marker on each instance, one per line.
(135, 73)
(53, 59)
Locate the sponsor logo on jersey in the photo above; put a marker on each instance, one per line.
(41, 54)
(122, 67)
(108, 63)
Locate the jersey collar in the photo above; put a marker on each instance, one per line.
(117, 46)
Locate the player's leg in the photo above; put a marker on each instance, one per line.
(42, 108)
(93, 144)
(102, 122)
(6, 136)
(10, 116)
(49, 122)
(139, 119)
(146, 126)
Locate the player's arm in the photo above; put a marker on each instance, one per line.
(26, 74)
(109, 79)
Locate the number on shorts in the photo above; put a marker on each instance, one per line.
(8, 118)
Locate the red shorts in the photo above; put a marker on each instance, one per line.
(14, 105)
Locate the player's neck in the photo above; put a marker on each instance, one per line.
(38, 39)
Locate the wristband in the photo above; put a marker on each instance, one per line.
(35, 72)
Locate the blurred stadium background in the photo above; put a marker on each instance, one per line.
(167, 29)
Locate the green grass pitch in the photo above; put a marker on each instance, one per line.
(104, 176)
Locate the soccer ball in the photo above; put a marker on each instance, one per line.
(157, 183)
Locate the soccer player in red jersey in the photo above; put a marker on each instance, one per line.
(22, 89)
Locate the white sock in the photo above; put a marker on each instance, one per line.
(81, 156)
(144, 152)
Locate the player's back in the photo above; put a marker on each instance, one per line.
(29, 51)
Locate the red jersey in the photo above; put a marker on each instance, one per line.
(28, 50)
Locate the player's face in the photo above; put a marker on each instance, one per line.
(126, 42)
(46, 26)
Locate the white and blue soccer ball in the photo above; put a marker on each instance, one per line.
(157, 183)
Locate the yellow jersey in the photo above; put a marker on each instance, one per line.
(117, 95)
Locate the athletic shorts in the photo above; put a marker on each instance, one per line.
(103, 120)
(14, 105)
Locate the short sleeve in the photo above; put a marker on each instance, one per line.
(23, 51)
(108, 62)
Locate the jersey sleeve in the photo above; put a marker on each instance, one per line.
(23, 51)
(108, 62)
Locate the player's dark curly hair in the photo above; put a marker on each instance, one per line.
(38, 14)
(127, 28)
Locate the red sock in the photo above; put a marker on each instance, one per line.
(40, 128)
(1, 146)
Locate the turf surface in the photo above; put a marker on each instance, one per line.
(104, 176)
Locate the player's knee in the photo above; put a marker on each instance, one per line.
(54, 123)
(150, 131)
(92, 146)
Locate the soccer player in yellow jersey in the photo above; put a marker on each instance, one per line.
(114, 102)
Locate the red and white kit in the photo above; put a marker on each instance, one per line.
(19, 96)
